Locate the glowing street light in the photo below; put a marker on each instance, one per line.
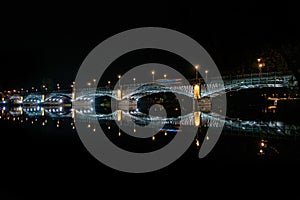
(165, 76)
(133, 82)
(108, 84)
(206, 72)
(58, 87)
(260, 64)
(196, 70)
(94, 80)
(119, 77)
(153, 73)
(89, 84)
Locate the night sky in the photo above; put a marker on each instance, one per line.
(50, 42)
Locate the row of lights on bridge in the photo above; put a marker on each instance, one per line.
(34, 89)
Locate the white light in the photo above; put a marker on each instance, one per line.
(137, 110)
(60, 101)
(60, 108)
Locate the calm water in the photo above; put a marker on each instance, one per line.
(42, 145)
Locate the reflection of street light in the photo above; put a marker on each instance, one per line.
(133, 82)
(206, 72)
(153, 72)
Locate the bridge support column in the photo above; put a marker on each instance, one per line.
(119, 94)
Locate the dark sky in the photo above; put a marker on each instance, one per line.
(51, 41)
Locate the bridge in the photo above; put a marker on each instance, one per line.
(215, 86)
(247, 81)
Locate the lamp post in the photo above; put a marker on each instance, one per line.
(260, 64)
(94, 80)
(206, 72)
(165, 76)
(89, 84)
(153, 73)
(196, 71)
(133, 82)
(108, 84)
(119, 77)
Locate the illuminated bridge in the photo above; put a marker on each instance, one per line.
(248, 81)
(213, 88)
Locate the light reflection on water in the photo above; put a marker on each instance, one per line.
(57, 117)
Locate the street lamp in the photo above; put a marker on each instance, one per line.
(196, 70)
(89, 84)
(261, 64)
(94, 80)
(108, 84)
(153, 73)
(206, 72)
(119, 77)
(58, 87)
(133, 82)
(165, 76)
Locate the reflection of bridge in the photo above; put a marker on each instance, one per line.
(275, 128)
(198, 119)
